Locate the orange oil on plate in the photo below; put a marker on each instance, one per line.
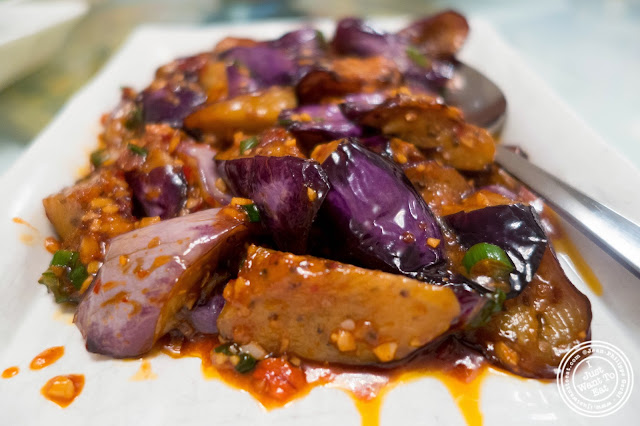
(366, 386)
(62, 390)
(10, 372)
(47, 357)
(563, 244)
(144, 372)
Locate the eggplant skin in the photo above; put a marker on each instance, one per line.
(328, 311)
(160, 192)
(150, 274)
(514, 228)
(287, 190)
(326, 123)
(537, 328)
(439, 35)
(384, 222)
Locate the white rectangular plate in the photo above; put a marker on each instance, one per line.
(30, 321)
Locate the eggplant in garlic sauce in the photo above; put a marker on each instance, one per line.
(314, 201)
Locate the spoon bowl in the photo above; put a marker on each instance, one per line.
(480, 99)
(483, 104)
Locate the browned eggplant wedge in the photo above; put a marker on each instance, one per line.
(328, 311)
(252, 112)
(67, 210)
(347, 75)
(151, 273)
(436, 127)
(537, 328)
(440, 35)
(439, 185)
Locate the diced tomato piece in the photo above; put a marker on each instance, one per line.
(278, 379)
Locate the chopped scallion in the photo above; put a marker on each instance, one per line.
(77, 276)
(98, 157)
(246, 363)
(73, 268)
(135, 119)
(493, 306)
(138, 150)
(321, 39)
(54, 285)
(252, 212)
(224, 349)
(417, 57)
(285, 122)
(64, 258)
(247, 144)
(482, 251)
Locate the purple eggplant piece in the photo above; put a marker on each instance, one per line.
(440, 35)
(161, 192)
(170, 105)
(203, 318)
(354, 37)
(429, 78)
(514, 228)
(201, 156)
(319, 83)
(378, 144)
(150, 274)
(327, 124)
(471, 305)
(304, 43)
(239, 82)
(379, 215)
(358, 104)
(288, 192)
(187, 68)
(473, 297)
(268, 66)
(422, 51)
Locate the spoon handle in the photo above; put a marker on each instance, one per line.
(618, 236)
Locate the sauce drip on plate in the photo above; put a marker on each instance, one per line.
(21, 221)
(10, 372)
(62, 390)
(460, 369)
(47, 357)
(144, 373)
(563, 244)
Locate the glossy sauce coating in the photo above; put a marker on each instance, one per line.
(51, 244)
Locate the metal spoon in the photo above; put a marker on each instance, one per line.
(484, 104)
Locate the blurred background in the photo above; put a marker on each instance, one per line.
(588, 51)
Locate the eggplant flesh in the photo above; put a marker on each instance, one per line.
(328, 311)
(150, 274)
